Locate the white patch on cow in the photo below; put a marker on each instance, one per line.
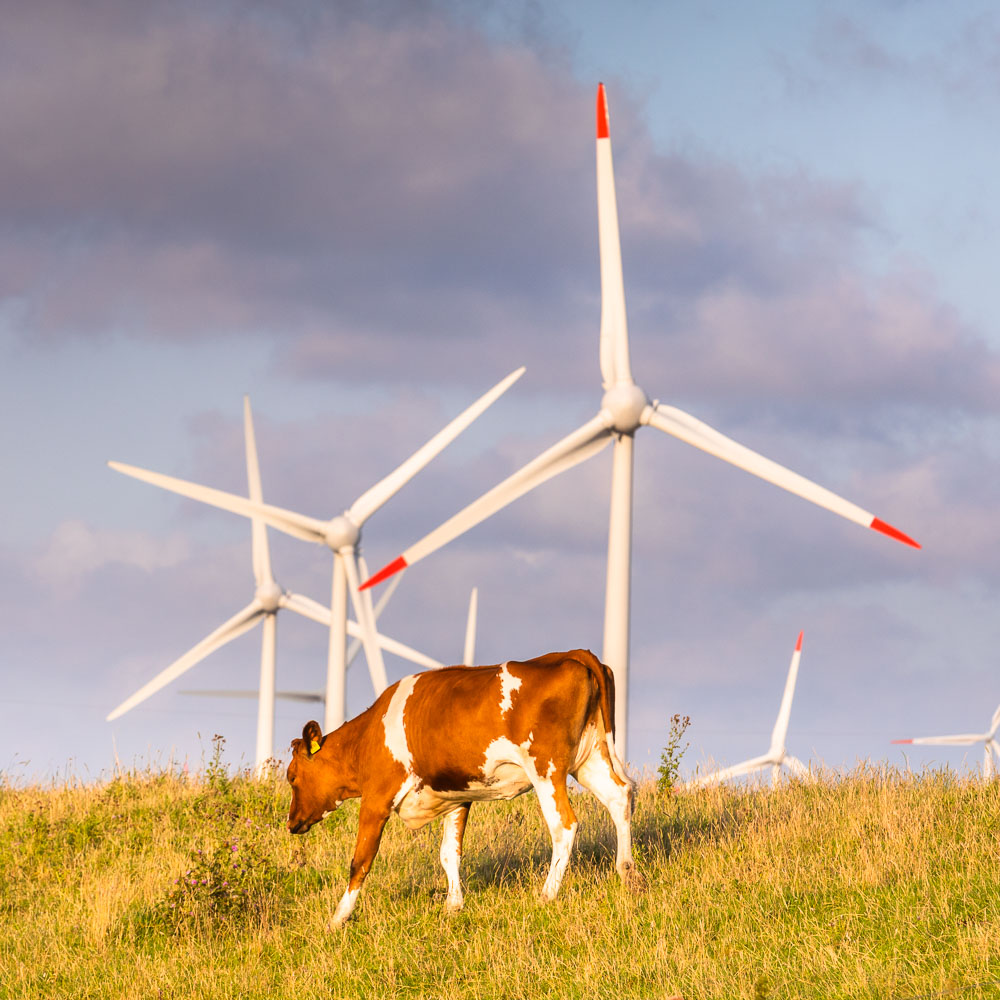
(404, 790)
(562, 838)
(508, 770)
(392, 721)
(451, 859)
(418, 804)
(344, 908)
(508, 685)
(603, 781)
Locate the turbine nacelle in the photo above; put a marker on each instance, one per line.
(269, 596)
(626, 404)
(341, 532)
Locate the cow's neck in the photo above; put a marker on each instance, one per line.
(342, 751)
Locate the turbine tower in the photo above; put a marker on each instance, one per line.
(625, 408)
(269, 597)
(342, 535)
(991, 748)
(777, 756)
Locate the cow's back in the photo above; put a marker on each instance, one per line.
(446, 726)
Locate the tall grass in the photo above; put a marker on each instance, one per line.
(877, 884)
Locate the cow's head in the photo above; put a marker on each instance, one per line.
(316, 789)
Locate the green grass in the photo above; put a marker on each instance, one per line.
(878, 884)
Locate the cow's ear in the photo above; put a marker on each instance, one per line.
(312, 736)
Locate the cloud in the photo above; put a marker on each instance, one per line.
(76, 551)
(391, 188)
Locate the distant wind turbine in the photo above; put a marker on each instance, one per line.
(320, 696)
(625, 408)
(991, 748)
(777, 756)
(269, 597)
(342, 535)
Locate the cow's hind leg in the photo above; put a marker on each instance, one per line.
(370, 825)
(561, 821)
(451, 854)
(599, 776)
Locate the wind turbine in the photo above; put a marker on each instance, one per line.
(991, 748)
(776, 756)
(320, 696)
(625, 408)
(342, 535)
(269, 597)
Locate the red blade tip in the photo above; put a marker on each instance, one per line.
(384, 573)
(888, 529)
(602, 113)
(902, 741)
(798, 645)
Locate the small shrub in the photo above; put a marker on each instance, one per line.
(670, 759)
(233, 881)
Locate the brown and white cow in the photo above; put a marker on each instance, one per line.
(435, 742)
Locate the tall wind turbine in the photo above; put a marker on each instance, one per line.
(269, 597)
(991, 748)
(776, 756)
(625, 408)
(342, 535)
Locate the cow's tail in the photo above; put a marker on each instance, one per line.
(605, 680)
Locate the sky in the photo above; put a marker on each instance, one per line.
(365, 215)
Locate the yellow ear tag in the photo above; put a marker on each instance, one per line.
(313, 746)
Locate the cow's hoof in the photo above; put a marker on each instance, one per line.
(632, 878)
(451, 908)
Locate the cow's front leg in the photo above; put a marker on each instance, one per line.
(451, 854)
(371, 822)
(561, 821)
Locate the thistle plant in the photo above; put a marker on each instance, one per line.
(670, 759)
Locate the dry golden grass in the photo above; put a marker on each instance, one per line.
(877, 884)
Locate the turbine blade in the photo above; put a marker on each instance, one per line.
(258, 531)
(571, 450)
(995, 721)
(306, 607)
(681, 425)
(796, 766)
(386, 594)
(746, 767)
(241, 622)
(987, 761)
(305, 696)
(469, 650)
(392, 646)
(780, 730)
(297, 525)
(615, 364)
(353, 629)
(355, 646)
(366, 620)
(962, 740)
(372, 499)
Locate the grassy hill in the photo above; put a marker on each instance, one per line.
(877, 884)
